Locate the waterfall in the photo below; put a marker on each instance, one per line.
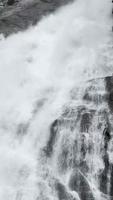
(56, 112)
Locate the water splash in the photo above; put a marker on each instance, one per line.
(49, 112)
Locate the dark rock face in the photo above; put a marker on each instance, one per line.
(86, 121)
(10, 2)
(52, 138)
(79, 184)
(109, 89)
(20, 16)
(62, 193)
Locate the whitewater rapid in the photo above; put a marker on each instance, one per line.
(38, 69)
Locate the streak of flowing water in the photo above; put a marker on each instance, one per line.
(51, 116)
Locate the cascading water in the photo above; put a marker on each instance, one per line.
(56, 107)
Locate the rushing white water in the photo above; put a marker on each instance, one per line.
(38, 69)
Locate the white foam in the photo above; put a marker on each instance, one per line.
(47, 60)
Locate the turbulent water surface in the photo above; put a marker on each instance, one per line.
(55, 110)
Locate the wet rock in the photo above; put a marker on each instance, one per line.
(107, 137)
(10, 2)
(103, 177)
(79, 183)
(87, 96)
(86, 121)
(68, 154)
(111, 181)
(52, 138)
(48, 1)
(109, 90)
(82, 135)
(64, 160)
(72, 115)
(83, 147)
(106, 176)
(20, 16)
(62, 193)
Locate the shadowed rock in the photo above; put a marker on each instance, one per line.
(107, 137)
(10, 2)
(79, 184)
(86, 121)
(52, 138)
(62, 193)
(109, 90)
(22, 15)
(106, 176)
(103, 177)
(111, 181)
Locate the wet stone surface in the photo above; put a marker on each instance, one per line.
(77, 152)
(19, 16)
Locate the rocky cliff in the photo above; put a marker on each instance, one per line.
(17, 16)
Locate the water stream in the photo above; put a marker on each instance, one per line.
(55, 120)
